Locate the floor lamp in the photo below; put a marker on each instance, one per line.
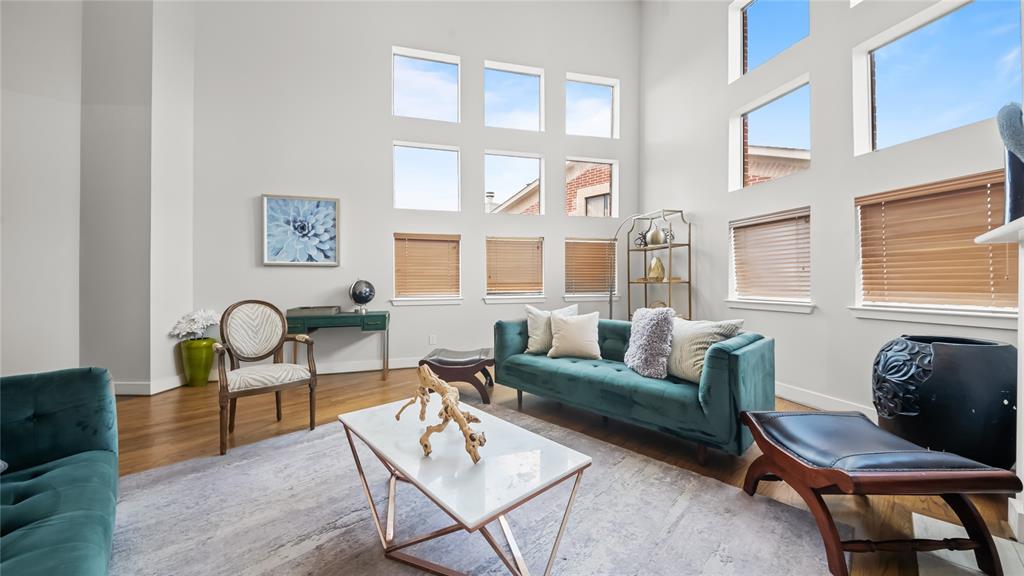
(611, 262)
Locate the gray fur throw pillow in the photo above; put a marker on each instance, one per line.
(650, 342)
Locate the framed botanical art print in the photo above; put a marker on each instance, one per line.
(300, 231)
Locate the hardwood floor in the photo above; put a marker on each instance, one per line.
(183, 423)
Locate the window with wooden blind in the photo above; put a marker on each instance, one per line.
(772, 256)
(589, 266)
(427, 266)
(917, 245)
(515, 266)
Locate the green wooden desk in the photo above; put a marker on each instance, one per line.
(309, 319)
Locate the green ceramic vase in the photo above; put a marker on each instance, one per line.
(197, 358)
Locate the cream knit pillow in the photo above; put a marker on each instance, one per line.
(538, 327)
(574, 336)
(690, 343)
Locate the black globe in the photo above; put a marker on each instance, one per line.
(362, 292)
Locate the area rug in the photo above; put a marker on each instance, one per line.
(293, 505)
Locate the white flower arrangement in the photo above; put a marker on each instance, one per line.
(193, 326)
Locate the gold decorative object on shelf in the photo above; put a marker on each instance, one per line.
(429, 382)
(656, 271)
(655, 236)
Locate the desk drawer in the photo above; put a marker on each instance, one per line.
(375, 323)
(325, 322)
(296, 327)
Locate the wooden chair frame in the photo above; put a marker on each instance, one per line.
(229, 399)
(811, 482)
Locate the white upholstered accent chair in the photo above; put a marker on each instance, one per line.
(253, 330)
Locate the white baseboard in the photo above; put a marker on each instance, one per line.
(821, 401)
(1015, 517)
(364, 365)
(148, 387)
(131, 388)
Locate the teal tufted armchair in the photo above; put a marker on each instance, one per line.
(58, 436)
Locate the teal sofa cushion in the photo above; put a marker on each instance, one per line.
(57, 517)
(50, 415)
(58, 432)
(610, 386)
(738, 375)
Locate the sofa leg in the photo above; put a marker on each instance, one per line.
(702, 454)
(519, 399)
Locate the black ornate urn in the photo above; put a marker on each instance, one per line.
(956, 395)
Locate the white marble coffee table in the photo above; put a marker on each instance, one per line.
(515, 466)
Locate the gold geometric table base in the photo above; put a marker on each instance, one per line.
(392, 550)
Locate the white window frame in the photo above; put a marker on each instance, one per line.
(518, 298)
(424, 300)
(615, 182)
(434, 57)
(613, 83)
(736, 126)
(518, 69)
(735, 37)
(794, 305)
(543, 187)
(862, 88)
(458, 176)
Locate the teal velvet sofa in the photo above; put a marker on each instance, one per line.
(58, 436)
(739, 374)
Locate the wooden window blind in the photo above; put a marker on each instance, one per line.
(772, 256)
(426, 265)
(589, 266)
(917, 245)
(515, 266)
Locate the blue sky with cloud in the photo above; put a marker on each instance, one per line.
(588, 109)
(957, 70)
(426, 178)
(511, 100)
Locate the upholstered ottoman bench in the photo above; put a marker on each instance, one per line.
(845, 453)
(463, 366)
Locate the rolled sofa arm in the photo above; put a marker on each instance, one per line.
(51, 415)
(510, 338)
(739, 375)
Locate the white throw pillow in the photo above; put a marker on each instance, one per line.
(690, 342)
(538, 327)
(574, 336)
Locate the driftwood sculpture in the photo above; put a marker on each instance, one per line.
(429, 382)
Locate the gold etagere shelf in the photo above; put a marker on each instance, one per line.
(666, 227)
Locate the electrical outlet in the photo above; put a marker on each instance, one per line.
(432, 339)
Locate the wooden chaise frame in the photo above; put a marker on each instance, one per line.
(811, 482)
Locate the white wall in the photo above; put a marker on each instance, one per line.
(42, 89)
(171, 285)
(293, 98)
(823, 359)
(117, 87)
